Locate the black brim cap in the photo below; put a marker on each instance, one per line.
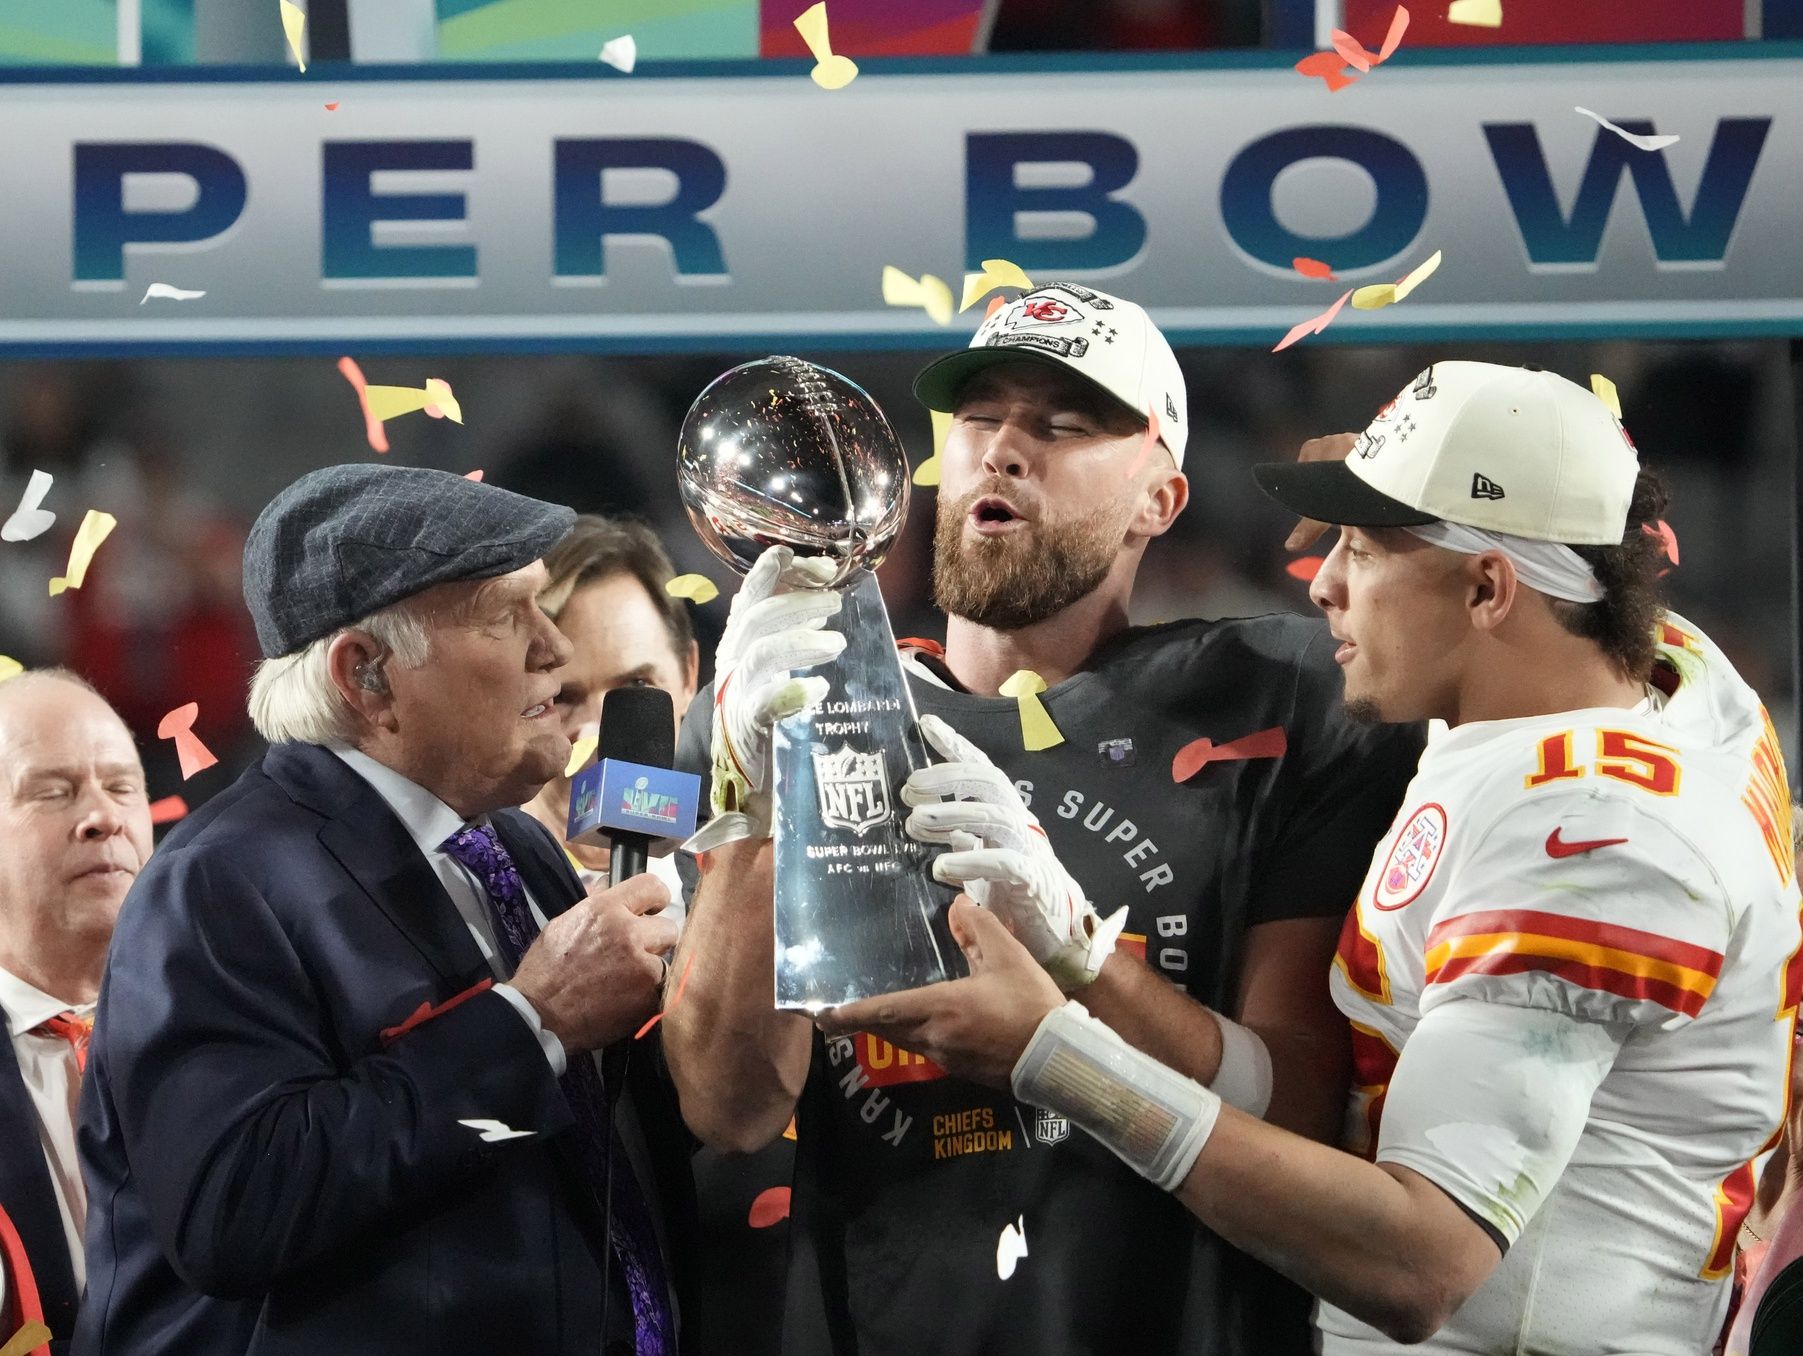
(345, 541)
(1329, 492)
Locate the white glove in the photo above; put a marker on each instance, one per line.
(1002, 859)
(775, 626)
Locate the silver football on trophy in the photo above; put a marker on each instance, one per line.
(784, 452)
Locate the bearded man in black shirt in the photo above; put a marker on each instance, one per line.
(1224, 893)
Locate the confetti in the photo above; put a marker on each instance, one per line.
(1357, 57)
(927, 473)
(94, 528)
(1634, 139)
(179, 726)
(29, 520)
(494, 1131)
(1313, 325)
(789, 1129)
(770, 1207)
(1010, 1248)
(830, 71)
(1146, 444)
(1328, 66)
(580, 752)
(1478, 13)
(621, 53)
(1304, 568)
(1663, 531)
(9, 667)
(675, 998)
(1198, 753)
(170, 293)
(435, 398)
(1036, 728)
(294, 24)
(931, 293)
(168, 810)
(372, 426)
(1387, 294)
(1313, 268)
(996, 273)
(1604, 390)
(697, 588)
(332, 107)
(473, 475)
(27, 1339)
(995, 304)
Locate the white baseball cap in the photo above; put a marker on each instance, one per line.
(1517, 450)
(1111, 343)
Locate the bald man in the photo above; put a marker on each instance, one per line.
(75, 825)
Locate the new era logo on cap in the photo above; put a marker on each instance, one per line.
(1109, 342)
(1482, 487)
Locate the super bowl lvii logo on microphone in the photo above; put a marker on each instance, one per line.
(854, 789)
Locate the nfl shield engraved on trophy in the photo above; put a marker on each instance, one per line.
(782, 452)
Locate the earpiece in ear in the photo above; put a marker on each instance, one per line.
(370, 678)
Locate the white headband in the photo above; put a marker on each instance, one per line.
(1549, 566)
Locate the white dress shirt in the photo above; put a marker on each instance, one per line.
(52, 1077)
(429, 821)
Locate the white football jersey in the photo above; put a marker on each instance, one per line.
(1633, 871)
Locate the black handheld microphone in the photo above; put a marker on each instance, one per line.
(638, 725)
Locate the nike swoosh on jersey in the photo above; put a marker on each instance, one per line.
(1558, 847)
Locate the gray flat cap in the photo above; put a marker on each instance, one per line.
(345, 541)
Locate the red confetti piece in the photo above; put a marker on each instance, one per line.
(1327, 66)
(1313, 268)
(1304, 568)
(770, 1207)
(995, 304)
(473, 475)
(425, 1012)
(1355, 55)
(675, 998)
(1153, 432)
(1663, 531)
(1197, 754)
(1313, 325)
(179, 726)
(168, 810)
(332, 107)
(372, 426)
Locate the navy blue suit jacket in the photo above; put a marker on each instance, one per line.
(267, 1171)
(29, 1199)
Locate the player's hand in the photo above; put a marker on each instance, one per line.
(1334, 447)
(1001, 857)
(596, 972)
(975, 1027)
(777, 625)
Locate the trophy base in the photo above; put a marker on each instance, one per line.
(858, 913)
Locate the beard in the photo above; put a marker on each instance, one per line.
(1363, 711)
(1007, 583)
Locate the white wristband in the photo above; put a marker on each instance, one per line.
(1152, 1117)
(1244, 1078)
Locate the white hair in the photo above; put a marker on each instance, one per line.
(293, 698)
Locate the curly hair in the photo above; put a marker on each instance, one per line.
(1621, 623)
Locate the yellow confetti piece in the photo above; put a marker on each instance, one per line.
(1604, 390)
(435, 398)
(1478, 13)
(9, 667)
(931, 293)
(294, 24)
(1036, 728)
(440, 403)
(580, 752)
(33, 1335)
(697, 588)
(996, 273)
(927, 473)
(93, 530)
(1385, 294)
(830, 71)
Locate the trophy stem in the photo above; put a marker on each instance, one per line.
(857, 911)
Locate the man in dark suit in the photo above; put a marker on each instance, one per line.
(342, 1094)
(75, 829)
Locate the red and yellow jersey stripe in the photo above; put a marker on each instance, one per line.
(1623, 961)
(1360, 958)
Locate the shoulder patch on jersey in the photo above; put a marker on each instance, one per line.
(1415, 854)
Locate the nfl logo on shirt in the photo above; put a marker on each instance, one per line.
(1051, 1128)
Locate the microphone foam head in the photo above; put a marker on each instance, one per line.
(638, 725)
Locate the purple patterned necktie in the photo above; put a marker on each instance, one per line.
(629, 1224)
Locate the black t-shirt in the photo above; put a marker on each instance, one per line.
(905, 1178)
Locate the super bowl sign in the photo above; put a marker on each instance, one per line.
(681, 208)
